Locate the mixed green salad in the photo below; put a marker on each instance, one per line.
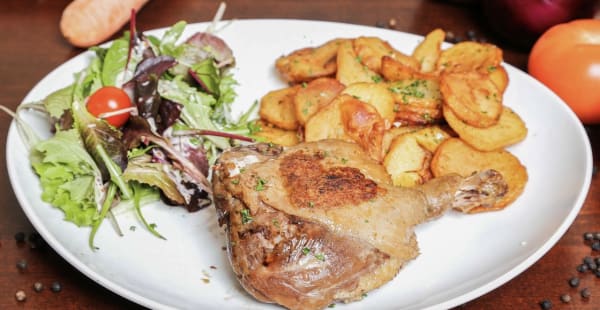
(144, 121)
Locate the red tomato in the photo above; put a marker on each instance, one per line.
(110, 99)
(566, 58)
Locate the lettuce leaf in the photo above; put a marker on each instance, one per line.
(69, 177)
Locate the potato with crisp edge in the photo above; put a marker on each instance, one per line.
(370, 50)
(314, 95)
(377, 95)
(456, 156)
(418, 101)
(309, 63)
(268, 133)
(429, 50)
(473, 98)
(327, 122)
(468, 56)
(350, 69)
(509, 130)
(277, 108)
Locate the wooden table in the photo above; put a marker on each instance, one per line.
(31, 46)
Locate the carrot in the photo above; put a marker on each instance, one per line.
(85, 23)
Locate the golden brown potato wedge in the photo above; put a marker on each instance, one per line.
(455, 156)
(418, 101)
(407, 162)
(309, 63)
(468, 56)
(350, 68)
(314, 95)
(431, 137)
(429, 50)
(473, 98)
(393, 70)
(275, 135)
(277, 108)
(394, 132)
(377, 95)
(364, 125)
(499, 76)
(509, 130)
(370, 50)
(327, 122)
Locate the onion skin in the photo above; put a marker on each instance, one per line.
(521, 22)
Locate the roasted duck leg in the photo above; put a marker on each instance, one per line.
(320, 222)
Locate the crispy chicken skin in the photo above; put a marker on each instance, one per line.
(320, 222)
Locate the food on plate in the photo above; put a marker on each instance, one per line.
(309, 63)
(85, 23)
(509, 130)
(142, 122)
(473, 98)
(566, 58)
(400, 107)
(276, 135)
(320, 222)
(277, 107)
(456, 156)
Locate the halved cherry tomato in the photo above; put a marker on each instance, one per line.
(110, 99)
(566, 58)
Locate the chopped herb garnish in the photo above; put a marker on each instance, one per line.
(320, 257)
(275, 223)
(311, 204)
(246, 217)
(235, 181)
(344, 160)
(305, 251)
(376, 78)
(260, 184)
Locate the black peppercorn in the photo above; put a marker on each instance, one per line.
(56, 287)
(588, 236)
(546, 304)
(22, 264)
(574, 282)
(583, 268)
(566, 298)
(585, 293)
(596, 246)
(38, 286)
(20, 237)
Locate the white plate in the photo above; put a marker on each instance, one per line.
(462, 256)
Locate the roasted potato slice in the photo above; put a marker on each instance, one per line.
(314, 95)
(409, 155)
(275, 135)
(499, 76)
(364, 125)
(309, 63)
(393, 70)
(455, 156)
(327, 122)
(407, 162)
(473, 98)
(509, 130)
(394, 132)
(417, 101)
(468, 56)
(370, 50)
(277, 107)
(350, 68)
(429, 50)
(377, 95)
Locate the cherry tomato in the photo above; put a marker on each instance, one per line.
(566, 58)
(110, 99)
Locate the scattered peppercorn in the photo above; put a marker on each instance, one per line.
(597, 272)
(588, 259)
(20, 237)
(36, 240)
(597, 236)
(20, 295)
(566, 298)
(583, 268)
(22, 264)
(596, 246)
(546, 304)
(574, 282)
(592, 266)
(585, 293)
(379, 24)
(588, 236)
(56, 287)
(38, 286)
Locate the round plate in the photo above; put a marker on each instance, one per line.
(462, 256)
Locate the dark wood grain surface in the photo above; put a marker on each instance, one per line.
(31, 46)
